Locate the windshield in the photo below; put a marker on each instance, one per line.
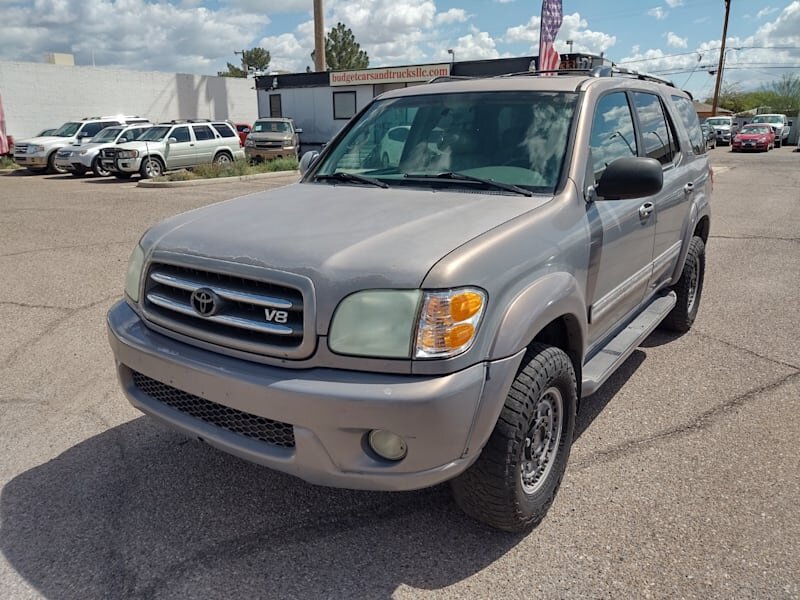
(109, 134)
(777, 119)
(271, 127)
(761, 129)
(718, 121)
(517, 138)
(154, 134)
(67, 130)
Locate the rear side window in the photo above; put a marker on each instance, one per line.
(203, 132)
(224, 130)
(689, 117)
(613, 135)
(657, 136)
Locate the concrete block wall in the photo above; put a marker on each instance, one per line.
(39, 95)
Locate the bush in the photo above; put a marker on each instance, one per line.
(6, 162)
(237, 168)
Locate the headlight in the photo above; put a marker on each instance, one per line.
(35, 148)
(407, 323)
(375, 323)
(249, 143)
(134, 274)
(288, 144)
(128, 154)
(83, 152)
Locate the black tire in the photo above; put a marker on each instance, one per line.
(122, 175)
(506, 488)
(151, 167)
(98, 168)
(52, 167)
(689, 289)
(222, 158)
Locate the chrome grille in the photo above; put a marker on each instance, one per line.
(277, 144)
(108, 152)
(246, 314)
(225, 417)
(20, 148)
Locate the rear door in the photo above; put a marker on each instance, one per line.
(205, 144)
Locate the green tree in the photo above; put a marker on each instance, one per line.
(342, 51)
(255, 59)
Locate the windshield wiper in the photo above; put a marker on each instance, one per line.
(452, 175)
(351, 177)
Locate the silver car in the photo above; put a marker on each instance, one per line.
(79, 159)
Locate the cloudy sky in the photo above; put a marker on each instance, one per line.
(678, 38)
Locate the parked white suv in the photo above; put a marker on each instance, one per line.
(779, 124)
(38, 154)
(174, 145)
(79, 159)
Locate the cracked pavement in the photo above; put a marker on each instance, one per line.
(683, 480)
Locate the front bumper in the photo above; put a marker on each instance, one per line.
(445, 420)
(127, 165)
(36, 161)
(269, 153)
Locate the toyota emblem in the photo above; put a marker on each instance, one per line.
(205, 302)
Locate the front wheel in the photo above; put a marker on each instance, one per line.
(52, 167)
(688, 289)
(98, 169)
(151, 167)
(515, 479)
(223, 158)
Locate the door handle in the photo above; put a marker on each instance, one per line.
(645, 209)
(688, 188)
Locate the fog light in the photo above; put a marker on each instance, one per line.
(387, 445)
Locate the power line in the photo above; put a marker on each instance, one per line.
(652, 58)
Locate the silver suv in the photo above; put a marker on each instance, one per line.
(174, 145)
(391, 327)
(39, 154)
(79, 159)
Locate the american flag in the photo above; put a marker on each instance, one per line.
(552, 15)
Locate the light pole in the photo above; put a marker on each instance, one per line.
(453, 53)
(569, 43)
(721, 58)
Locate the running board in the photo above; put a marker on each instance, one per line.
(608, 360)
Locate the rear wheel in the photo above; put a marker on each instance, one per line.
(515, 479)
(98, 168)
(688, 289)
(151, 167)
(223, 158)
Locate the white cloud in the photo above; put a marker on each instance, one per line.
(454, 15)
(676, 41)
(766, 11)
(658, 12)
(478, 45)
(674, 3)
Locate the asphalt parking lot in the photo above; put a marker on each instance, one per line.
(684, 478)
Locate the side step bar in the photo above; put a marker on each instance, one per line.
(608, 360)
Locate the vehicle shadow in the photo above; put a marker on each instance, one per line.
(592, 406)
(110, 180)
(141, 511)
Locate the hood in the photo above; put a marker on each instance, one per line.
(751, 136)
(135, 145)
(344, 238)
(45, 139)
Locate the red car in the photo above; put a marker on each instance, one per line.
(753, 137)
(244, 130)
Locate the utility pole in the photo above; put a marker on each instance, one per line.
(319, 37)
(721, 58)
(244, 62)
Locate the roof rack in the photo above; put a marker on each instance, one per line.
(606, 71)
(443, 78)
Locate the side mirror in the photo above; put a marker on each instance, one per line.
(172, 140)
(298, 130)
(122, 140)
(630, 177)
(308, 160)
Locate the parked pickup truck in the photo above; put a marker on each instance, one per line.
(391, 327)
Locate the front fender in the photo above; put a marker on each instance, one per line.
(553, 296)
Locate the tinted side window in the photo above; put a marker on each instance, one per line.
(613, 135)
(203, 132)
(658, 140)
(692, 123)
(224, 130)
(181, 134)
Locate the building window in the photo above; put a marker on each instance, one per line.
(275, 105)
(344, 105)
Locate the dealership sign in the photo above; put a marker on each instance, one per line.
(389, 75)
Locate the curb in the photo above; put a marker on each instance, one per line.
(147, 183)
